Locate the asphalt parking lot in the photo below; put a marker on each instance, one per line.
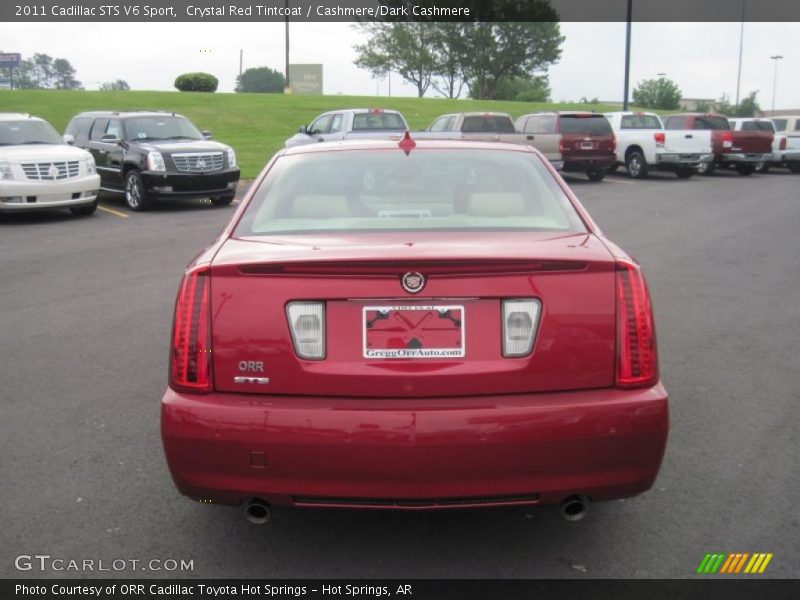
(85, 315)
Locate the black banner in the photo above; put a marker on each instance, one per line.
(393, 10)
(411, 589)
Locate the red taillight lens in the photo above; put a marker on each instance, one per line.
(613, 145)
(660, 138)
(190, 364)
(727, 136)
(783, 144)
(637, 362)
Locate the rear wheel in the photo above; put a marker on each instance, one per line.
(596, 174)
(613, 168)
(684, 172)
(744, 169)
(762, 167)
(83, 211)
(794, 167)
(136, 195)
(636, 165)
(705, 168)
(222, 200)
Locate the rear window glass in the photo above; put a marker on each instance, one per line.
(584, 124)
(780, 124)
(487, 124)
(387, 190)
(757, 126)
(640, 122)
(378, 122)
(541, 124)
(711, 123)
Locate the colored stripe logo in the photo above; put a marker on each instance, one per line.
(734, 563)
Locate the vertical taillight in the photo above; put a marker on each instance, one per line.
(660, 138)
(783, 143)
(637, 363)
(727, 139)
(190, 364)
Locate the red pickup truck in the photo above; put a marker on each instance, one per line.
(740, 149)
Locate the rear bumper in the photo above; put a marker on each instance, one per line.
(678, 161)
(784, 157)
(191, 185)
(23, 196)
(415, 453)
(744, 157)
(584, 163)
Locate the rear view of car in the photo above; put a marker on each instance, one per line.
(587, 143)
(412, 325)
(39, 171)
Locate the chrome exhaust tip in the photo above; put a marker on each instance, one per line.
(257, 512)
(574, 508)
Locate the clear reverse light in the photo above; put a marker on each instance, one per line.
(307, 324)
(520, 322)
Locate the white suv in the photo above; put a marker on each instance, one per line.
(38, 170)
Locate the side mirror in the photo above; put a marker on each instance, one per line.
(207, 134)
(303, 129)
(69, 139)
(110, 139)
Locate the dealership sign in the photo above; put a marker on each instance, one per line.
(10, 60)
(305, 79)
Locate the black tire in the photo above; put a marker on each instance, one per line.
(745, 169)
(136, 196)
(762, 167)
(84, 211)
(636, 164)
(222, 200)
(794, 167)
(706, 168)
(613, 168)
(596, 174)
(684, 172)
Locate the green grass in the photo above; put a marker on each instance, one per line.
(255, 125)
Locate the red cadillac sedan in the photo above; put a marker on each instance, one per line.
(412, 325)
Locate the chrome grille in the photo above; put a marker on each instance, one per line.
(199, 162)
(51, 171)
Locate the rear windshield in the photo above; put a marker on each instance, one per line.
(780, 124)
(757, 126)
(487, 124)
(711, 123)
(378, 122)
(29, 131)
(428, 189)
(640, 122)
(584, 124)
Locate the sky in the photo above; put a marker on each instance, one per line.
(701, 58)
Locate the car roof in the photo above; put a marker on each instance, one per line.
(374, 144)
(128, 113)
(483, 113)
(625, 113)
(17, 116)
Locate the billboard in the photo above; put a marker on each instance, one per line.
(10, 60)
(305, 79)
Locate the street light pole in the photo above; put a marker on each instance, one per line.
(627, 55)
(288, 86)
(775, 58)
(741, 43)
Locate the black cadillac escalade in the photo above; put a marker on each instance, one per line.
(147, 155)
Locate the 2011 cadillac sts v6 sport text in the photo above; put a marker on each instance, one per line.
(412, 325)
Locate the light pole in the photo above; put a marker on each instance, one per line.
(741, 44)
(776, 58)
(627, 54)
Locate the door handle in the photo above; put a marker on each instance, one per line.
(530, 137)
(103, 151)
(688, 136)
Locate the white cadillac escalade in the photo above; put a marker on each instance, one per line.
(38, 170)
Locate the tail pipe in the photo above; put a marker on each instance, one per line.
(257, 511)
(574, 508)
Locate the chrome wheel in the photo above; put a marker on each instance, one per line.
(634, 166)
(133, 192)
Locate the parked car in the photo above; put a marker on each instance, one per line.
(39, 171)
(337, 125)
(788, 126)
(586, 143)
(494, 127)
(742, 150)
(414, 344)
(150, 155)
(643, 145)
(785, 144)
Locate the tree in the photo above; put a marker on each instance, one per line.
(724, 105)
(119, 85)
(450, 54)
(260, 80)
(535, 88)
(43, 70)
(405, 48)
(749, 106)
(702, 106)
(501, 51)
(63, 74)
(660, 93)
(196, 82)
